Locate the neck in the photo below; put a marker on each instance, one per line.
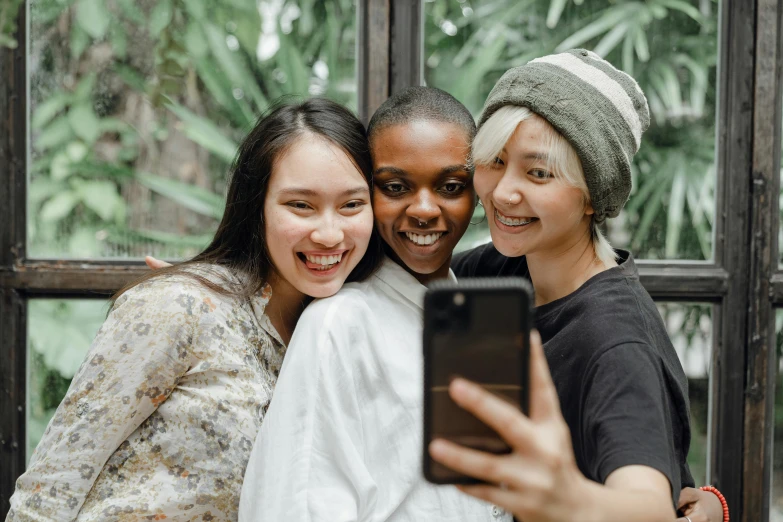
(440, 273)
(284, 307)
(560, 272)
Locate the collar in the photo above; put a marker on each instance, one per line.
(402, 282)
(258, 304)
(224, 276)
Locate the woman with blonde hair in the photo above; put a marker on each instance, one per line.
(609, 433)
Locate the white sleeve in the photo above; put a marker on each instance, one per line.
(308, 460)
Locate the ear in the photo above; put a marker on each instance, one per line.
(589, 209)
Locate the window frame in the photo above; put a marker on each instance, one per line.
(743, 281)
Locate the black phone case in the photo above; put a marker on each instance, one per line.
(470, 286)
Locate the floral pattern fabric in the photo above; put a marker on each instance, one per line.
(159, 421)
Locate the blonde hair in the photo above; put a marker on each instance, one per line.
(563, 161)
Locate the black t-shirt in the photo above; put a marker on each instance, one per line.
(621, 386)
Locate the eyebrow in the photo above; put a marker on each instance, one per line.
(306, 192)
(543, 156)
(536, 156)
(401, 172)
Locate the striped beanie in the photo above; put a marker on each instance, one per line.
(600, 110)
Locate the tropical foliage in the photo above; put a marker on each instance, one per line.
(669, 46)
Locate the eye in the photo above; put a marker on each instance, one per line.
(497, 162)
(540, 174)
(453, 188)
(393, 187)
(355, 204)
(299, 205)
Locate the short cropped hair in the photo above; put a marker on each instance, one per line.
(421, 104)
(563, 160)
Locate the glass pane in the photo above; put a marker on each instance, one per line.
(776, 502)
(669, 47)
(136, 109)
(59, 333)
(690, 329)
(780, 209)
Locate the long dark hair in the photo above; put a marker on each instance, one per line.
(240, 241)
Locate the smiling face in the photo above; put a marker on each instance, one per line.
(529, 209)
(318, 216)
(423, 196)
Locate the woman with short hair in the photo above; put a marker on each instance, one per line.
(553, 160)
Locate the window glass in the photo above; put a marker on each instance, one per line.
(669, 47)
(136, 110)
(780, 210)
(59, 334)
(690, 329)
(776, 502)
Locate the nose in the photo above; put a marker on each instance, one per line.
(507, 193)
(328, 233)
(424, 207)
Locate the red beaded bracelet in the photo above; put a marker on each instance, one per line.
(722, 499)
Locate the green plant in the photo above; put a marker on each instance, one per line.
(669, 46)
(8, 13)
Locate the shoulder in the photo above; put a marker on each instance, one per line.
(348, 310)
(486, 261)
(178, 294)
(466, 263)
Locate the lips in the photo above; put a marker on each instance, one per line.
(321, 263)
(423, 239)
(511, 221)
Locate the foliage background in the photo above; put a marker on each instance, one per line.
(137, 107)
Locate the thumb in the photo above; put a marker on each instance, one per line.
(687, 496)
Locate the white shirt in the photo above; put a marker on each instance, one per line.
(342, 439)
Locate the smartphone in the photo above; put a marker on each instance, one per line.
(478, 329)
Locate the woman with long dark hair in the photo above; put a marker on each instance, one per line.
(159, 421)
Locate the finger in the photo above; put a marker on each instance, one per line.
(687, 496)
(510, 423)
(544, 403)
(477, 464)
(504, 498)
(693, 516)
(155, 263)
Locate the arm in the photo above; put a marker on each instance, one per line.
(540, 478)
(134, 363)
(308, 459)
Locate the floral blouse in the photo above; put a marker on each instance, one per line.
(159, 421)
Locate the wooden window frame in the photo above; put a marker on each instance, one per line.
(743, 281)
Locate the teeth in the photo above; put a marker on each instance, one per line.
(512, 222)
(423, 239)
(326, 261)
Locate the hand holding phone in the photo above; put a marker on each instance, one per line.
(478, 329)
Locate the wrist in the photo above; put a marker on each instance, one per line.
(586, 501)
(721, 499)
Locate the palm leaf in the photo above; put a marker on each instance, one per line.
(194, 198)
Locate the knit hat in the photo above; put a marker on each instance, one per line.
(600, 110)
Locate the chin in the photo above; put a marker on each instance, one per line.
(325, 289)
(507, 247)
